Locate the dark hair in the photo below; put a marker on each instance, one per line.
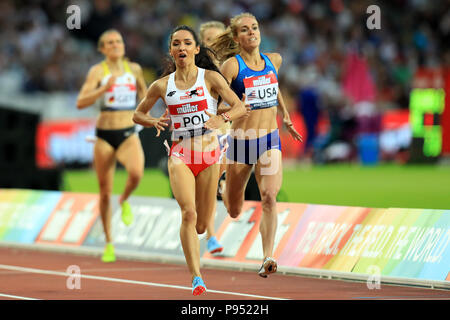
(202, 60)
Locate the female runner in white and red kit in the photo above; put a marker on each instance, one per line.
(190, 86)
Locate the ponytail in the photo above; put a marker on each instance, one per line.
(225, 46)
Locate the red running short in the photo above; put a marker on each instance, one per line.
(197, 161)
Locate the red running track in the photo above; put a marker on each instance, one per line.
(32, 274)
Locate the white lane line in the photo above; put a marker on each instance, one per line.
(127, 269)
(16, 297)
(153, 284)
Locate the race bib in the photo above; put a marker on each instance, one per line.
(189, 115)
(261, 91)
(121, 96)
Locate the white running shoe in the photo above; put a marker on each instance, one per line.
(268, 266)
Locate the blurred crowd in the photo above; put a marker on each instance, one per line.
(324, 43)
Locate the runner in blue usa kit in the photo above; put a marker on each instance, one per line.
(261, 88)
(254, 140)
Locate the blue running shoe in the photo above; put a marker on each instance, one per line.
(213, 245)
(198, 286)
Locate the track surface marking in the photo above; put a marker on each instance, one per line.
(31, 274)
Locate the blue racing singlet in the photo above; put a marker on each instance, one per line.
(260, 87)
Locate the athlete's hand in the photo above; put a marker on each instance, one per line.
(214, 122)
(289, 125)
(162, 122)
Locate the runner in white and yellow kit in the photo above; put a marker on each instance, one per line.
(117, 83)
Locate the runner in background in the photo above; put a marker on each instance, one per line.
(254, 140)
(118, 83)
(208, 33)
(190, 86)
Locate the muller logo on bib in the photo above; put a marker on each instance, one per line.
(261, 81)
(186, 108)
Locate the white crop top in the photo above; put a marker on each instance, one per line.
(122, 94)
(187, 107)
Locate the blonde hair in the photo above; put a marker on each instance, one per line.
(210, 24)
(100, 42)
(224, 45)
